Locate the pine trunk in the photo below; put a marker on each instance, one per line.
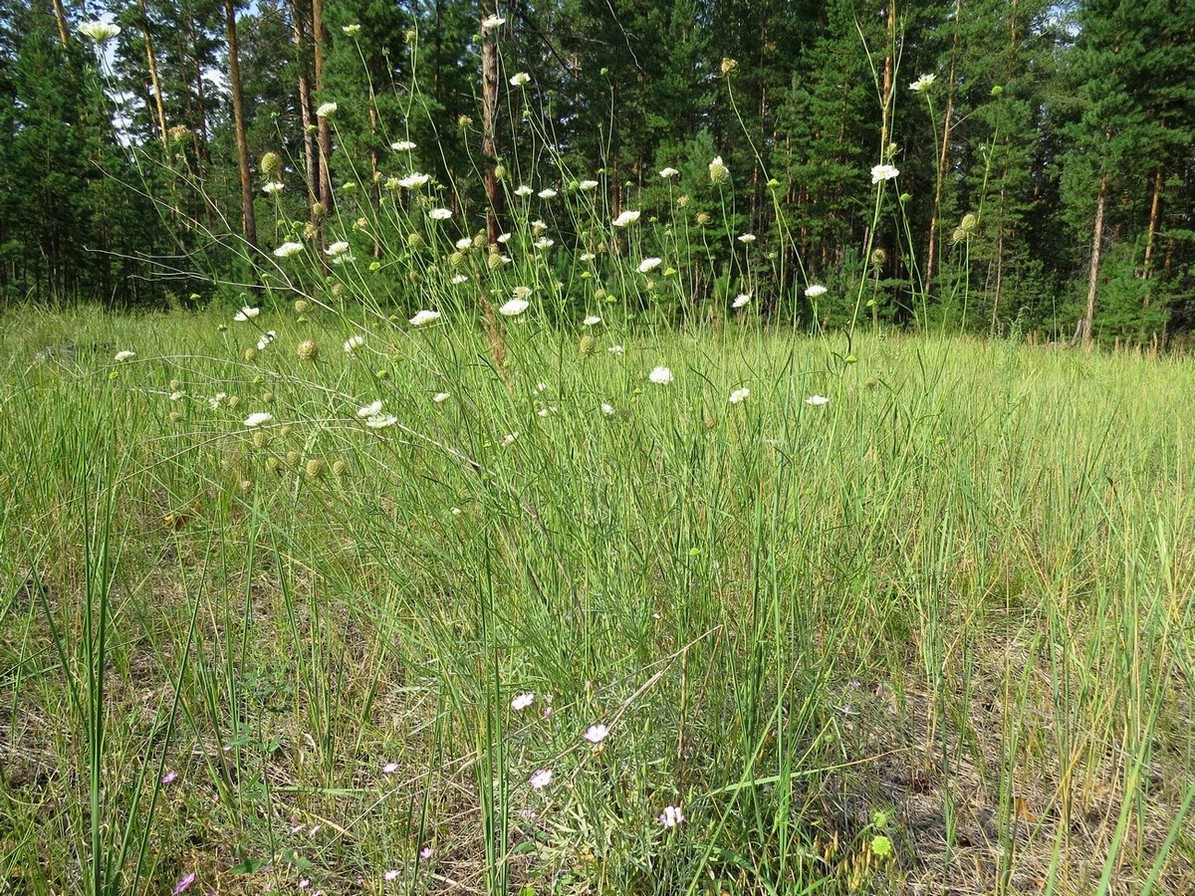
(310, 154)
(1097, 238)
(1155, 215)
(151, 60)
(323, 130)
(248, 221)
(60, 19)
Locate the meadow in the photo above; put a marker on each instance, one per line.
(588, 608)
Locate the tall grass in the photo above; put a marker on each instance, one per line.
(943, 611)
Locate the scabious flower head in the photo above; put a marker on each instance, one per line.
(493, 22)
(402, 146)
(668, 173)
(458, 279)
(325, 110)
(353, 343)
(661, 376)
(544, 243)
(541, 779)
(520, 79)
(923, 83)
(592, 321)
(422, 318)
(288, 250)
(595, 734)
(523, 190)
(814, 290)
(440, 397)
(739, 395)
(125, 355)
(880, 173)
(245, 313)
(587, 185)
(747, 238)
(719, 173)
(254, 420)
(522, 701)
(648, 265)
(273, 187)
(381, 421)
(616, 350)
(99, 31)
(547, 193)
(351, 30)
(514, 308)
(740, 300)
(627, 218)
(414, 180)
(817, 400)
(607, 409)
(440, 214)
(671, 816)
(337, 248)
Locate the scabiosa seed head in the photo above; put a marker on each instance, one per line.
(261, 439)
(315, 468)
(307, 350)
(270, 164)
(293, 458)
(340, 468)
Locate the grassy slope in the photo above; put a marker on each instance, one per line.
(957, 595)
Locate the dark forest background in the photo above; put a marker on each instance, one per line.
(1052, 154)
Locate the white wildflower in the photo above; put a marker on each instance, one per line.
(648, 265)
(258, 419)
(422, 318)
(661, 376)
(626, 219)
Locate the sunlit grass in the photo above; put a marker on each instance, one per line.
(933, 632)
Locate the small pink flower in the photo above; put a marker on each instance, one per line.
(390, 875)
(671, 816)
(389, 768)
(426, 853)
(541, 779)
(170, 777)
(521, 702)
(595, 734)
(185, 882)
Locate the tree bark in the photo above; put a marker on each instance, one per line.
(310, 151)
(151, 60)
(1097, 238)
(60, 19)
(248, 220)
(323, 129)
(1155, 215)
